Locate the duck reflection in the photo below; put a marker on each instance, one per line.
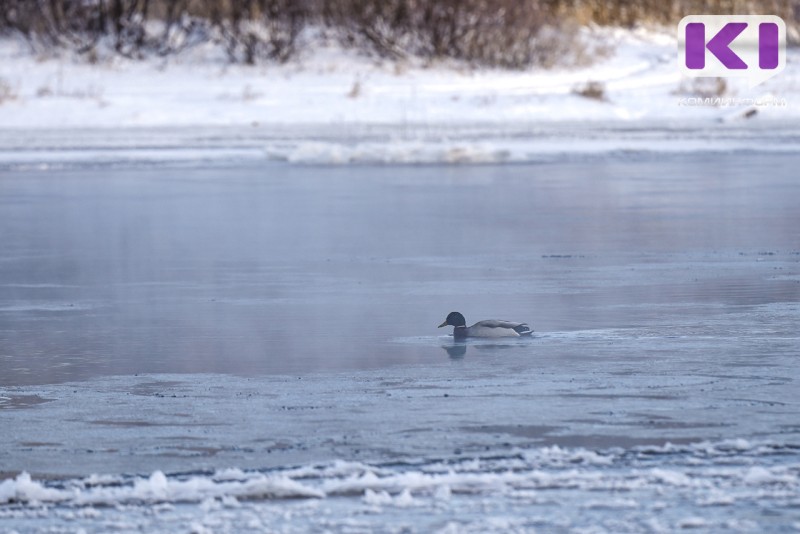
(458, 348)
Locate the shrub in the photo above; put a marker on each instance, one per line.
(592, 90)
(491, 32)
(704, 87)
(505, 33)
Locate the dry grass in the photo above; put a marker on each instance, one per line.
(6, 92)
(669, 12)
(355, 90)
(703, 87)
(592, 90)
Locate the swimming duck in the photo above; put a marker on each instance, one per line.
(489, 328)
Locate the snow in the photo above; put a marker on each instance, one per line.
(496, 474)
(336, 105)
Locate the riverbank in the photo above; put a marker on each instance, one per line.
(630, 77)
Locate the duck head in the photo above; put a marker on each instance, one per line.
(454, 319)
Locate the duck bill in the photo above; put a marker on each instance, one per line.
(443, 324)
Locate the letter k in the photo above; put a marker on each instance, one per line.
(719, 45)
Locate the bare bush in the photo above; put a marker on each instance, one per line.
(253, 29)
(355, 90)
(592, 90)
(505, 33)
(77, 24)
(248, 29)
(703, 87)
(492, 32)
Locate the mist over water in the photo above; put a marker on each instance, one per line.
(295, 269)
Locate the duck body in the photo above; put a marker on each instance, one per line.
(488, 328)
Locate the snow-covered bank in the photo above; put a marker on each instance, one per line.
(636, 82)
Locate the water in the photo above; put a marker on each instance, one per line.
(283, 269)
(268, 332)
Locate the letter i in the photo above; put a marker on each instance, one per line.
(768, 48)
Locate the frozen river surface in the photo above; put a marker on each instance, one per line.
(224, 349)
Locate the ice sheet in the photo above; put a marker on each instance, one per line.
(453, 461)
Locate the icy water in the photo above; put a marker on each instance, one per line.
(255, 347)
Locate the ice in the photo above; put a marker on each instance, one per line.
(157, 488)
(24, 489)
(404, 499)
(399, 152)
(503, 489)
(760, 476)
(671, 478)
(474, 144)
(693, 522)
(496, 150)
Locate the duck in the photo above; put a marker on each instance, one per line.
(488, 328)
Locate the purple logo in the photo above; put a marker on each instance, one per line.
(724, 45)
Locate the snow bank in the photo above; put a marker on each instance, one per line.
(334, 106)
(639, 80)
